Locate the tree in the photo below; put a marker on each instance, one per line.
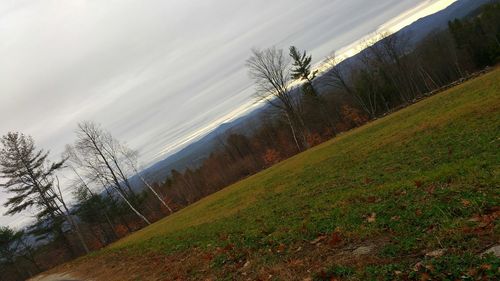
(98, 152)
(130, 157)
(30, 176)
(302, 70)
(479, 36)
(9, 246)
(269, 69)
(94, 210)
(13, 247)
(338, 79)
(91, 207)
(271, 157)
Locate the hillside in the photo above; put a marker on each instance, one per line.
(194, 153)
(414, 195)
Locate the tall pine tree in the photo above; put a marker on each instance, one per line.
(29, 176)
(302, 69)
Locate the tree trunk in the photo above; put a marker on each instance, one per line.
(293, 133)
(134, 209)
(155, 193)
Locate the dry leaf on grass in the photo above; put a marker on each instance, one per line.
(371, 218)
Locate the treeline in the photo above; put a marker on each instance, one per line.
(113, 199)
(390, 73)
(96, 170)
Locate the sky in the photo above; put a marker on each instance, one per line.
(159, 74)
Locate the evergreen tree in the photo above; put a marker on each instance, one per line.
(29, 176)
(9, 244)
(301, 69)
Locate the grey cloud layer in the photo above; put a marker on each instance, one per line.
(153, 72)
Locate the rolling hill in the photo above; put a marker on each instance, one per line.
(194, 153)
(412, 196)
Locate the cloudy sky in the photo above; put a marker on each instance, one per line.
(158, 73)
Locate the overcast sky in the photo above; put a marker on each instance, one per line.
(156, 73)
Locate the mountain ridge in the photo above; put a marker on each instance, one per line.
(194, 153)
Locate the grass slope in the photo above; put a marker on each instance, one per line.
(372, 204)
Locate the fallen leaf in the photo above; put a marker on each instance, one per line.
(281, 248)
(431, 228)
(425, 277)
(431, 189)
(319, 239)
(436, 253)
(335, 239)
(418, 213)
(475, 218)
(486, 267)
(208, 257)
(466, 202)
(296, 262)
(395, 218)
(472, 272)
(418, 266)
(363, 250)
(371, 218)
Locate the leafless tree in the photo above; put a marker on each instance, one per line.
(270, 70)
(99, 154)
(130, 156)
(81, 182)
(59, 197)
(336, 77)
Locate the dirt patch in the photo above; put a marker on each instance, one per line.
(121, 266)
(284, 262)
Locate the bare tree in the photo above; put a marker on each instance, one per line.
(59, 197)
(98, 152)
(337, 78)
(82, 186)
(270, 70)
(130, 157)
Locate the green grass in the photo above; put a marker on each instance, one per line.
(425, 171)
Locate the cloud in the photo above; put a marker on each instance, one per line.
(155, 73)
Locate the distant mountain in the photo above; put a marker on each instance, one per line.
(423, 27)
(439, 21)
(193, 154)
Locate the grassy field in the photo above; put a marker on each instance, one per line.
(414, 195)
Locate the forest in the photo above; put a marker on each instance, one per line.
(305, 108)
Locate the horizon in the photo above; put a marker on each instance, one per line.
(122, 96)
(392, 26)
